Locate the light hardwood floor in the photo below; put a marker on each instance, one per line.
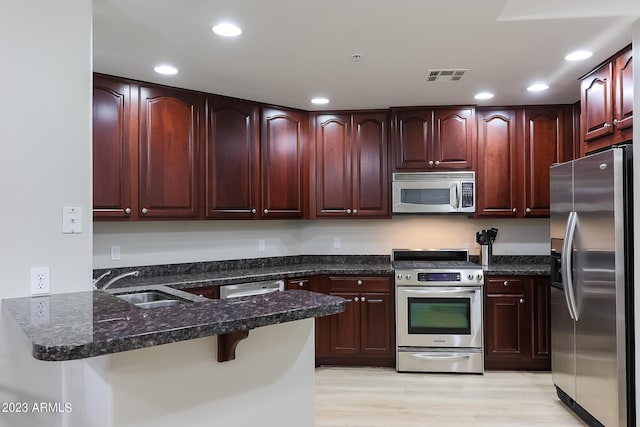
(381, 397)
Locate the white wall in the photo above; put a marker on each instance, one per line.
(173, 242)
(45, 132)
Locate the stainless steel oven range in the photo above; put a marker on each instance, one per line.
(438, 311)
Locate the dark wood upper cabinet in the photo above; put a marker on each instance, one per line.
(169, 144)
(623, 94)
(516, 147)
(283, 170)
(369, 165)
(112, 149)
(232, 159)
(429, 139)
(349, 166)
(454, 138)
(544, 136)
(607, 103)
(499, 149)
(597, 114)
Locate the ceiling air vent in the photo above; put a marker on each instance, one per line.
(445, 75)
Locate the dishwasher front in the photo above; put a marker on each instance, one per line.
(251, 288)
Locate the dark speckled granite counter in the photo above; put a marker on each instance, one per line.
(87, 324)
(518, 265)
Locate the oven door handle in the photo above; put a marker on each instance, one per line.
(441, 291)
(440, 356)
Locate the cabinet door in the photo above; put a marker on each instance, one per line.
(543, 144)
(112, 149)
(454, 138)
(507, 329)
(499, 172)
(413, 139)
(345, 326)
(169, 152)
(597, 116)
(370, 178)
(376, 321)
(333, 174)
(232, 153)
(283, 168)
(623, 108)
(541, 329)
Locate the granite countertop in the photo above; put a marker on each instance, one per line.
(517, 270)
(86, 324)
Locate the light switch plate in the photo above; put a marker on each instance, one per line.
(71, 219)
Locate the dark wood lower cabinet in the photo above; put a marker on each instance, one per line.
(517, 323)
(364, 334)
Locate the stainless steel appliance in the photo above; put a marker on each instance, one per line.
(434, 192)
(438, 311)
(592, 287)
(252, 288)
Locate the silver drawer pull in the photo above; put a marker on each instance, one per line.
(440, 356)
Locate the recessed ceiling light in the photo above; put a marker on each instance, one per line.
(538, 87)
(320, 100)
(166, 69)
(578, 55)
(484, 95)
(227, 29)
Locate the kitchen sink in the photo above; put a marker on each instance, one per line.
(150, 299)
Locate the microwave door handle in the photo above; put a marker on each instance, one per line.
(458, 184)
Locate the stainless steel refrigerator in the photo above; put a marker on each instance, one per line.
(592, 355)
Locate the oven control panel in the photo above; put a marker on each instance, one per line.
(439, 277)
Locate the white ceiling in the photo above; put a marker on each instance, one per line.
(293, 50)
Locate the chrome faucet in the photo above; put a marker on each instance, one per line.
(102, 276)
(121, 276)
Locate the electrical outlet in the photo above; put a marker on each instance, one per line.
(261, 245)
(40, 281)
(40, 311)
(337, 243)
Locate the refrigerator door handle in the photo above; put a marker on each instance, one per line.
(567, 265)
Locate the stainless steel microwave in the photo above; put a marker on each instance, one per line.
(434, 192)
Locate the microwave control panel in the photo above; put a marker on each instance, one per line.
(467, 194)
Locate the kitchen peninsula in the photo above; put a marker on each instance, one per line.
(125, 377)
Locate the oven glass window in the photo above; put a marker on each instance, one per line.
(440, 316)
(426, 196)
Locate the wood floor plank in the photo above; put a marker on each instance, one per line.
(382, 397)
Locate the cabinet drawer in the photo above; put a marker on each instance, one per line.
(505, 285)
(302, 283)
(360, 284)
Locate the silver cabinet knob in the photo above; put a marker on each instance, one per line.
(359, 282)
(362, 299)
(301, 283)
(606, 125)
(348, 211)
(514, 210)
(144, 210)
(430, 162)
(528, 210)
(437, 162)
(253, 210)
(127, 210)
(355, 211)
(356, 299)
(521, 300)
(505, 283)
(615, 122)
(266, 211)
